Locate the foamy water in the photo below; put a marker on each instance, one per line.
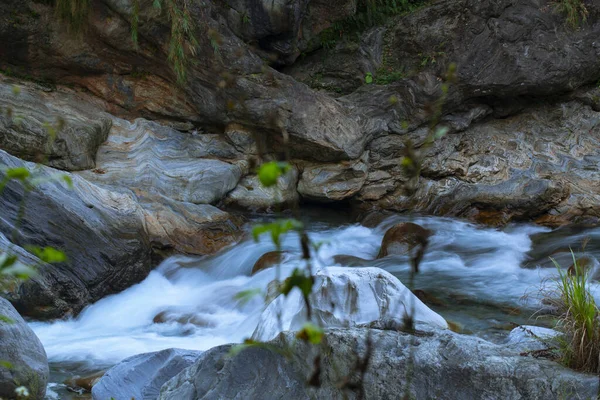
(480, 264)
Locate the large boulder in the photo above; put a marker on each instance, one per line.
(346, 297)
(432, 364)
(56, 128)
(102, 233)
(251, 194)
(150, 159)
(22, 356)
(140, 377)
(402, 238)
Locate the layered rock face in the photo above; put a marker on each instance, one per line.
(446, 366)
(521, 117)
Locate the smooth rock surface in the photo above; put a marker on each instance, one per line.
(140, 377)
(346, 297)
(20, 347)
(29, 117)
(101, 232)
(252, 195)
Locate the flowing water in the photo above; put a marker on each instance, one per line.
(476, 277)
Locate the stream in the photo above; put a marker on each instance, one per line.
(484, 280)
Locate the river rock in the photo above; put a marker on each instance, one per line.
(269, 260)
(332, 182)
(346, 297)
(446, 366)
(140, 377)
(251, 194)
(151, 159)
(402, 238)
(30, 117)
(101, 232)
(531, 338)
(24, 351)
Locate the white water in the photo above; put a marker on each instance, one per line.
(481, 264)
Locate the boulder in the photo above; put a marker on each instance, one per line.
(140, 377)
(445, 365)
(346, 297)
(252, 195)
(402, 238)
(349, 261)
(587, 265)
(56, 128)
(102, 233)
(532, 338)
(332, 182)
(150, 159)
(22, 349)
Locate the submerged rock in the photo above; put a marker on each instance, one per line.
(22, 349)
(269, 260)
(140, 377)
(346, 297)
(402, 238)
(446, 366)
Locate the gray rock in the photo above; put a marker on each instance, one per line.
(446, 366)
(531, 338)
(333, 182)
(140, 377)
(250, 194)
(150, 159)
(29, 117)
(23, 350)
(101, 232)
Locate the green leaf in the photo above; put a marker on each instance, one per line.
(6, 260)
(310, 333)
(298, 279)
(19, 271)
(20, 173)
(246, 295)
(68, 180)
(7, 320)
(6, 364)
(441, 132)
(269, 172)
(48, 254)
(369, 78)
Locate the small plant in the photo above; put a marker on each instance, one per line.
(575, 11)
(579, 319)
(369, 78)
(387, 75)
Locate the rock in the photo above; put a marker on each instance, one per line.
(428, 298)
(189, 228)
(251, 194)
(29, 117)
(24, 351)
(141, 376)
(269, 260)
(332, 182)
(403, 238)
(587, 265)
(346, 297)
(446, 366)
(101, 232)
(531, 338)
(85, 382)
(151, 159)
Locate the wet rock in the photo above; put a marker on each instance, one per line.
(141, 376)
(252, 195)
(346, 297)
(269, 260)
(101, 232)
(85, 382)
(586, 265)
(56, 128)
(446, 366)
(332, 182)
(24, 351)
(403, 238)
(189, 228)
(532, 338)
(428, 298)
(184, 317)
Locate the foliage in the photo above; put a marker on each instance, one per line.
(579, 320)
(73, 13)
(310, 333)
(268, 173)
(276, 229)
(574, 11)
(387, 75)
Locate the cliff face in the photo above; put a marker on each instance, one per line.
(522, 119)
